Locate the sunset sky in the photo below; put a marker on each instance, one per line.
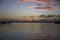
(29, 7)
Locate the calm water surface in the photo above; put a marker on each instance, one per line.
(29, 31)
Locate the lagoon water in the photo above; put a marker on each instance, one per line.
(30, 31)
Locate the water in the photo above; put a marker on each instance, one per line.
(30, 31)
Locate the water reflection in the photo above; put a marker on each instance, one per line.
(29, 31)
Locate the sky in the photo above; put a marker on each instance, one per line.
(29, 7)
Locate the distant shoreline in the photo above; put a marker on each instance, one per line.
(57, 22)
(33, 21)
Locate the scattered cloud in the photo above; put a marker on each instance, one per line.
(40, 0)
(56, 0)
(49, 4)
(45, 7)
(24, 1)
(38, 4)
(29, 7)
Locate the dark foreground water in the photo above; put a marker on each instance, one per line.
(30, 31)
